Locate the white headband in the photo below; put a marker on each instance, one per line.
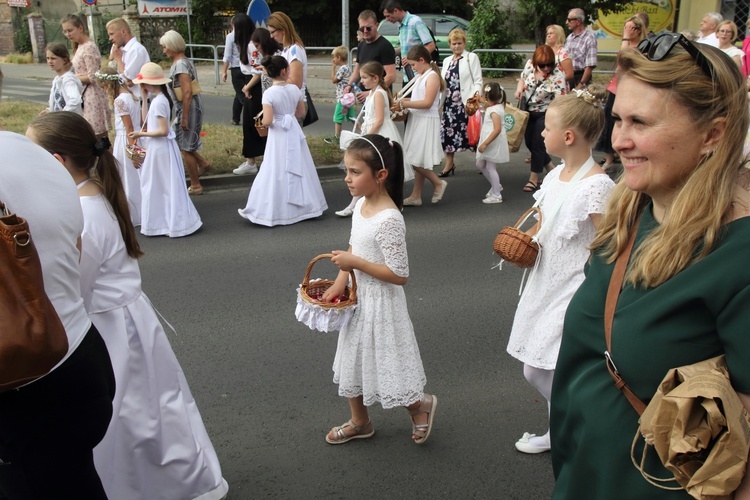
(376, 150)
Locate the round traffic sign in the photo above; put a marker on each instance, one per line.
(89, 2)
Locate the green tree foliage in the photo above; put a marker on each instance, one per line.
(541, 13)
(490, 29)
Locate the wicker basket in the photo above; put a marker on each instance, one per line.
(262, 129)
(515, 246)
(324, 316)
(472, 104)
(136, 154)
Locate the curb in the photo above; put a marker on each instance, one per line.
(230, 181)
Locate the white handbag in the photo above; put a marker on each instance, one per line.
(347, 136)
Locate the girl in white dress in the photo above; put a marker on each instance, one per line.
(156, 445)
(65, 94)
(166, 207)
(287, 189)
(377, 358)
(572, 200)
(493, 141)
(422, 147)
(377, 116)
(127, 108)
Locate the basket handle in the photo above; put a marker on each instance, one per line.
(527, 214)
(306, 280)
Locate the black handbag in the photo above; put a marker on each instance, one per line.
(523, 104)
(312, 115)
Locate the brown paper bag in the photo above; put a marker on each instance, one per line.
(515, 126)
(700, 430)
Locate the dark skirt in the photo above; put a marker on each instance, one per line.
(252, 144)
(604, 145)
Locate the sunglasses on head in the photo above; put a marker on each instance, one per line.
(658, 47)
(365, 29)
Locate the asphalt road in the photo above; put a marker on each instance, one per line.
(263, 381)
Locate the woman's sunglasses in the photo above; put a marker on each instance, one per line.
(547, 65)
(658, 47)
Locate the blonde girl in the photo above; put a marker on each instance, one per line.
(572, 200)
(377, 115)
(65, 94)
(377, 357)
(166, 208)
(127, 110)
(422, 147)
(493, 142)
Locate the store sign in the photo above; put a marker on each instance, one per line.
(18, 3)
(660, 14)
(166, 8)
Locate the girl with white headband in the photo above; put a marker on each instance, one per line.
(572, 200)
(377, 358)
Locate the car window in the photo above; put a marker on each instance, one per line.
(388, 29)
(444, 26)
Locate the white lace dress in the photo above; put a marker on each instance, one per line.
(538, 323)
(377, 355)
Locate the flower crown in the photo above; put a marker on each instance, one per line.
(106, 76)
(589, 98)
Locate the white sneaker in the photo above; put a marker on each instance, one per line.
(533, 444)
(492, 199)
(345, 212)
(246, 168)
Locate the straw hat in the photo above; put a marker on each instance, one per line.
(151, 74)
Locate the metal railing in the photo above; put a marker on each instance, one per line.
(612, 53)
(216, 60)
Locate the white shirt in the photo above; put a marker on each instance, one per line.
(134, 56)
(711, 40)
(231, 51)
(66, 93)
(35, 186)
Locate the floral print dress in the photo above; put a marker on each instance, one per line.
(86, 62)
(454, 123)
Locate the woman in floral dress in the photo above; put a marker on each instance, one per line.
(87, 61)
(462, 73)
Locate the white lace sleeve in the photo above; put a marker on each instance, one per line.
(391, 237)
(590, 198)
(121, 107)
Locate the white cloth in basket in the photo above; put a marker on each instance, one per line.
(317, 317)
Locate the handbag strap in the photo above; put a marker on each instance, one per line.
(613, 294)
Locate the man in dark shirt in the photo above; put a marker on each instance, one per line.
(373, 47)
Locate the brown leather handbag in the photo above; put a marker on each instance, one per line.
(32, 337)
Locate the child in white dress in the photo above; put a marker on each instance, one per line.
(493, 141)
(377, 358)
(572, 200)
(422, 147)
(65, 94)
(377, 116)
(156, 445)
(287, 189)
(127, 111)
(166, 207)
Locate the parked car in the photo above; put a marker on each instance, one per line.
(440, 24)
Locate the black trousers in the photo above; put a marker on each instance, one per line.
(252, 144)
(48, 429)
(238, 81)
(577, 75)
(535, 142)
